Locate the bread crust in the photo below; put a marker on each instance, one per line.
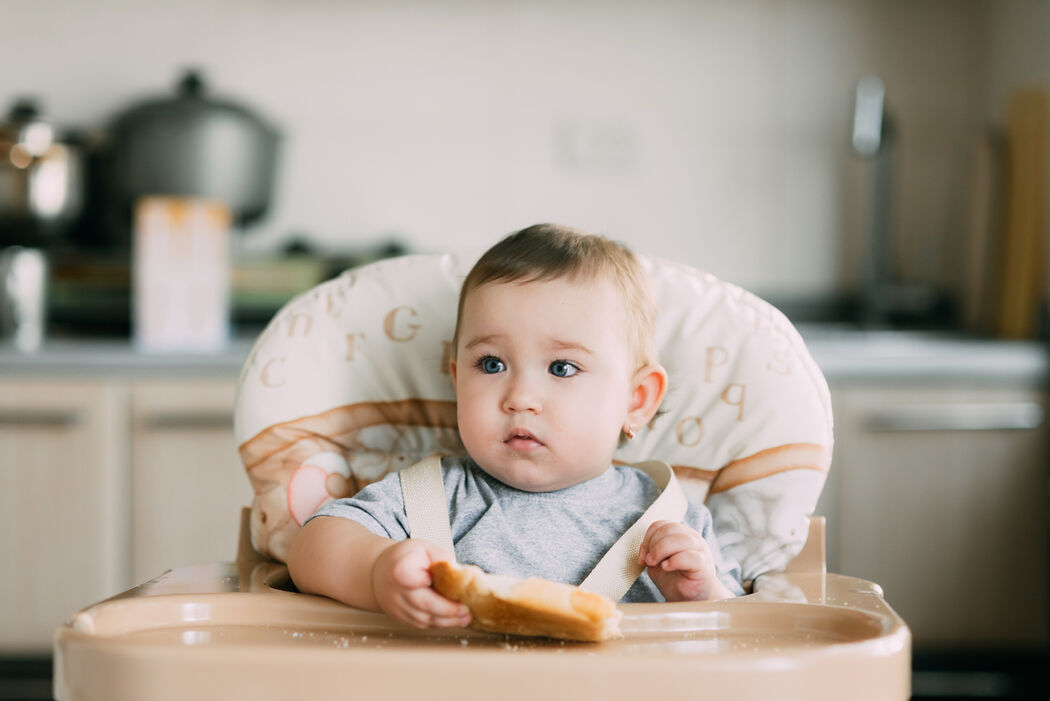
(532, 606)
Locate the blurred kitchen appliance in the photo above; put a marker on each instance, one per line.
(41, 178)
(181, 266)
(23, 297)
(884, 297)
(192, 145)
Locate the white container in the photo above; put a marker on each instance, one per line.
(23, 297)
(181, 275)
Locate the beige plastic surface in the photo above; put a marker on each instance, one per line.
(236, 630)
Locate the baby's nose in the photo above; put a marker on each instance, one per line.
(521, 396)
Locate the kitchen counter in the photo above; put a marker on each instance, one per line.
(851, 354)
(117, 357)
(843, 353)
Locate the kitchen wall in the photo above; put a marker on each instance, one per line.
(716, 133)
(1018, 56)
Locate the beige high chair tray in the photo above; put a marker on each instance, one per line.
(237, 630)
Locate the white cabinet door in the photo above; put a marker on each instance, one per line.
(942, 499)
(63, 504)
(187, 480)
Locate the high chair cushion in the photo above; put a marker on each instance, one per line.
(350, 381)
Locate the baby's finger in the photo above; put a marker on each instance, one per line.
(662, 529)
(656, 530)
(686, 562)
(411, 569)
(669, 544)
(451, 621)
(436, 553)
(400, 608)
(417, 617)
(436, 605)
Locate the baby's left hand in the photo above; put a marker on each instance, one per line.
(680, 563)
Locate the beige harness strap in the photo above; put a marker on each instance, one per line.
(427, 511)
(425, 506)
(616, 571)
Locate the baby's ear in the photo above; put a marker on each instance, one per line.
(649, 386)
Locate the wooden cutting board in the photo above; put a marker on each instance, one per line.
(1023, 272)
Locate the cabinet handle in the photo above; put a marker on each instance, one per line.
(975, 416)
(42, 418)
(175, 420)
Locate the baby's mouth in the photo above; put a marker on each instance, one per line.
(522, 440)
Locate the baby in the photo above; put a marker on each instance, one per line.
(553, 366)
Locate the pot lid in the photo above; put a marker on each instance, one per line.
(192, 100)
(192, 145)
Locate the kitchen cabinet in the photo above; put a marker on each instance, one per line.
(62, 496)
(105, 482)
(939, 493)
(188, 485)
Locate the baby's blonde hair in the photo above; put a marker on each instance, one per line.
(550, 252)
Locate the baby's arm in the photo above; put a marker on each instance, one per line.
(341, 559)
(680, 563)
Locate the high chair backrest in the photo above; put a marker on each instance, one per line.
(350, 381)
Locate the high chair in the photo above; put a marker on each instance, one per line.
(349, 382)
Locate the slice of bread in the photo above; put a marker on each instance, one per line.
(530, 606)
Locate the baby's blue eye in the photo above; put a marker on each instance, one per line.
(562, 368)
(491, 364)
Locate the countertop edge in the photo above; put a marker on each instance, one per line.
(859, 357)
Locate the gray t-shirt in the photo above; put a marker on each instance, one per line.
(559, 535)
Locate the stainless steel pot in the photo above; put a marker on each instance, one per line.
(190, 144)
(41, 178)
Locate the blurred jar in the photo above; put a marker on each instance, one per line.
(23, 297)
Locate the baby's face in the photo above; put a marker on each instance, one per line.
(543, 377)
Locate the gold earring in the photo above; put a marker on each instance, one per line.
(629, 431)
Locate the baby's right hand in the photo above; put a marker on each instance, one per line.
(401, 584)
